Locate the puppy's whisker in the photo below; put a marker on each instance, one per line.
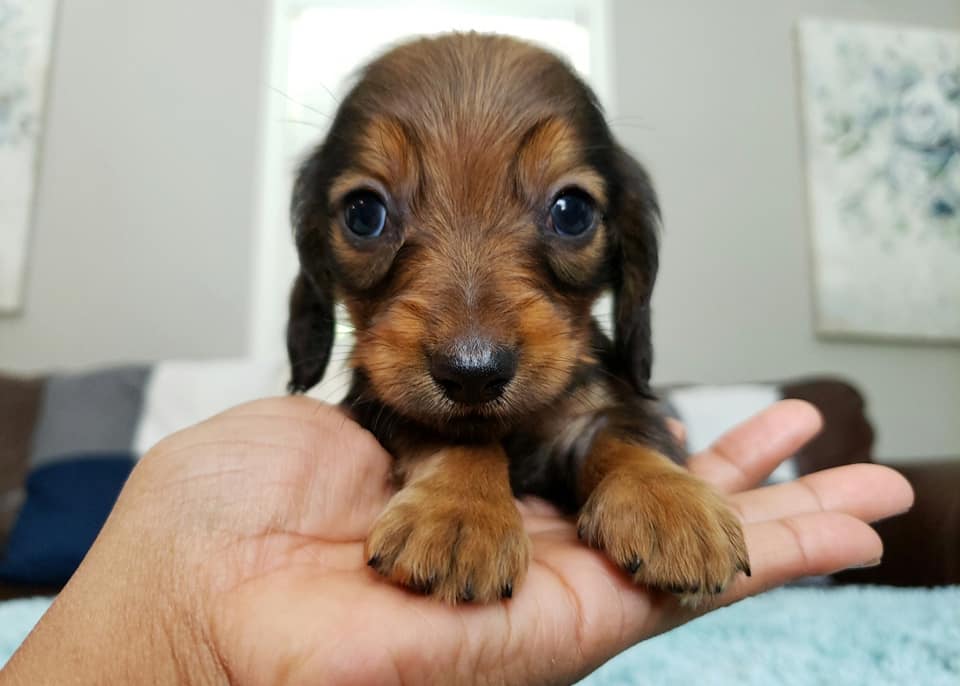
(304, 105)
(302, 122)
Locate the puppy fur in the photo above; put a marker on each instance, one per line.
(467, 139)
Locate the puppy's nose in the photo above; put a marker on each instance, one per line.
(473, 371)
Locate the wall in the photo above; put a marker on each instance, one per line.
(708, 98)
(141, 246)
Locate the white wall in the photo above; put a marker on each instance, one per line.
(142, 239)
(708, 98)
(149, 195)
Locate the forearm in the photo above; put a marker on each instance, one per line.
(119, 620)
(99, 636)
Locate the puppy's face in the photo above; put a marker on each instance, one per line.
(461, 209)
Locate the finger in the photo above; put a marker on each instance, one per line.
(678, 430)
(866, 491)
(747, 454)
(787, 549)
(533, 506)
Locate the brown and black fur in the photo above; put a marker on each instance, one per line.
(467, 138)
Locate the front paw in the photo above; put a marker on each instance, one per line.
(452, 546)
(669, 531)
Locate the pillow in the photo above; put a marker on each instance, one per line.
(709, 411)
(83, 416)
(68, 501)
(90, 412)
(181, 393)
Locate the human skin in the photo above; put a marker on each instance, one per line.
(235, 554)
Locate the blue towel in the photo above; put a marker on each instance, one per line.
(791, 637)
(17, 618)
(838, 636)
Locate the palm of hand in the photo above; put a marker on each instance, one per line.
(288, 489)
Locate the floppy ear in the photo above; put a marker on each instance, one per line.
(310, 327)
(309, 333)
(636, 219)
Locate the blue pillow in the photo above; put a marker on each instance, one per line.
(67, 502)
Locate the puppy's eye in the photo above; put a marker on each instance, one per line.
(573, 213)
(365, 214)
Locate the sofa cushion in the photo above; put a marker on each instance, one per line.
(94, 412)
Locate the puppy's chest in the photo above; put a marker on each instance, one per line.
(545, 456)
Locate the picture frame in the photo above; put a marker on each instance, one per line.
(26, 43)
(881, 115)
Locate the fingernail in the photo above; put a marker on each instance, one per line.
(870, 563)
(895, 514)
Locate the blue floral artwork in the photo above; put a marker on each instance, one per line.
(25, 40)
(882, 121)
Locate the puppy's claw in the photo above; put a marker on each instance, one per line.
(374, 562)
(507, 591)
(693, 559)
(466, 595)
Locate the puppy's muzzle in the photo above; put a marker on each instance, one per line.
(474, 370)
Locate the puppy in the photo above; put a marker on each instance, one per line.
(469, 205)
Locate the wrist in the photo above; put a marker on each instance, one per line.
(122, 618)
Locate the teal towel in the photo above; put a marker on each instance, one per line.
(17, 618)
(839, 636)
(791, 637)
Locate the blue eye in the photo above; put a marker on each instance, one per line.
(573, 213)
(365, 214)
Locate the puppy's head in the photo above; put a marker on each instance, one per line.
(468, 205)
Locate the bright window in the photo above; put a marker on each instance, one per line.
(318, 46)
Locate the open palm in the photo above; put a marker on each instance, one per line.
(270, 504)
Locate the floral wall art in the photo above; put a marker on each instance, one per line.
(26, 28)
(882, 122)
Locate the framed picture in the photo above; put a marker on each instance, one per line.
(26, 28)
(881, 110)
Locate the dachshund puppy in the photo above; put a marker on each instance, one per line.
(469, 205)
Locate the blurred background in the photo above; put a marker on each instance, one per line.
(807, 157)
(171, 130)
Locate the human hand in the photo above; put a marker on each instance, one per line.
(235, 553)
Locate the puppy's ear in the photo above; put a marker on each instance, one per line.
(310, 332)
(310, 327)
(636, 218)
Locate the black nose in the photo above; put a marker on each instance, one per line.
(473, 371)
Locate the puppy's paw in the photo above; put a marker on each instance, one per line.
(669, 531)
(452, 546)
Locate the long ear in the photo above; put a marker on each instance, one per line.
(636, 219)
(310, 332)
(310, 328)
